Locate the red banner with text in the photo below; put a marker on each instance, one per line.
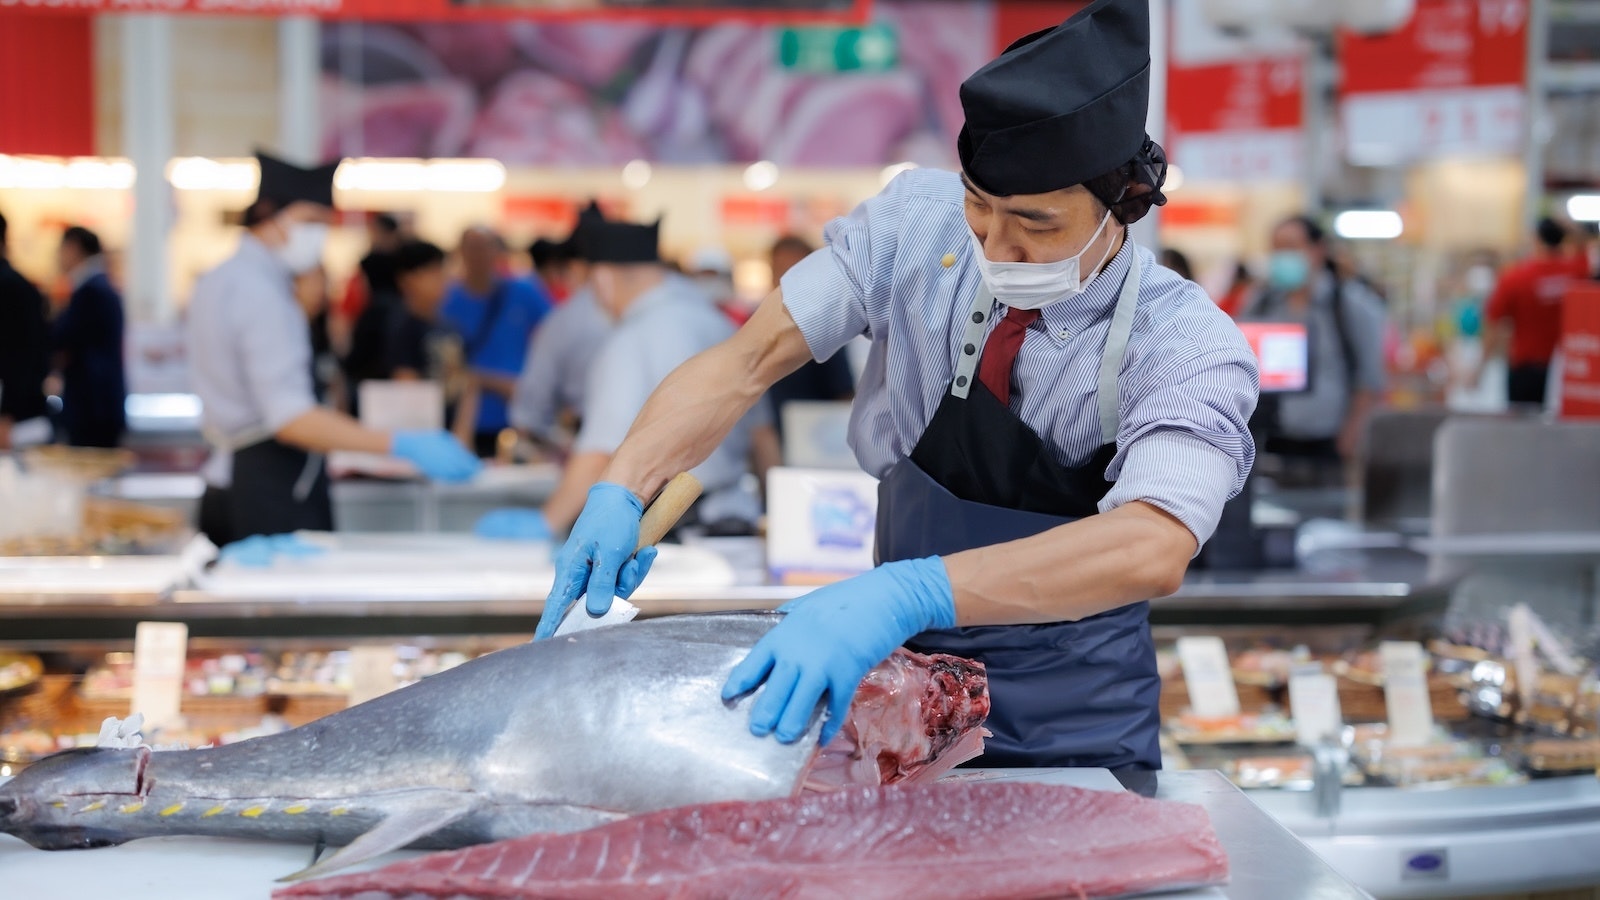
(1449, 82)
(1580, 351)
(677, 12)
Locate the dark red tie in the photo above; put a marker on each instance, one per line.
(1000, 353)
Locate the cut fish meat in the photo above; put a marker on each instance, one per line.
(967, 841)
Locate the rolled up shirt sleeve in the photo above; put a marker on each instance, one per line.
(274, 347)
(842, 291)
(1184, 443)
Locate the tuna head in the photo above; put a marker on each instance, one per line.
(45, 805)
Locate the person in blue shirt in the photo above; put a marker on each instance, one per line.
(87, 339)
(495, 316)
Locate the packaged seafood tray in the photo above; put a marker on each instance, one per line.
(1551, 757)
(1442, 762)
(1286, 772)
(1267, 727)
(85, 464)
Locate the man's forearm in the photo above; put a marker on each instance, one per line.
(580, 474)
(693, 410)
(504, 386)
(1133, 553)
(321, 430)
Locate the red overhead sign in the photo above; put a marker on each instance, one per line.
(1450, 81)
(1580, 351)
(676, 12)
(1237, 119)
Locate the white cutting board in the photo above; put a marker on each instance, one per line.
(188, 868)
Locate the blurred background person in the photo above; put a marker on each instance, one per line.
(495, 316)
(830, 381)
(1173, 258)
(87, 339)
(548, 402)
(1239, 293)
(711, 270)
(1522, 320)
(425, 346)
(552, 266)
(1325, 424)
(24, 356)
(250, 362)
(370, 310)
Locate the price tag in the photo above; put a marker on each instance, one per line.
(1405, 692)
(1206, 671)
(1314, 695)
(372, 673)
(159, 651)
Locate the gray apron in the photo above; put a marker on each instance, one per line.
(1080, 693)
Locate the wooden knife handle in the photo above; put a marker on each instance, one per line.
(669, 506)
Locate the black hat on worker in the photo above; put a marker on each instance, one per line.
(284, 183)
(577, 244)
(622, 242)
(1060, 106)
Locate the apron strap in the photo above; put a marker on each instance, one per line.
(1106, 394)
(972, 342)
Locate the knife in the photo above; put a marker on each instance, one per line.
(669, 506)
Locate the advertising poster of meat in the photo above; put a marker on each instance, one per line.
(605, 93)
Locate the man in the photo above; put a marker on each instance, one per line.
(826, 381)
(371, 310)
(1345, 321)
(1056, 421)
(661, 320)
(87, 340)
(24, 356)
(1523, 316)
(250, 359)
(549, 397)
(420, 277)
(495, 316)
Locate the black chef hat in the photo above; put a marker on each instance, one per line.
(622, 242)
(284, 183)
(1062, 105)
(578, 243)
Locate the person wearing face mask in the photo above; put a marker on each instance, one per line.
(1345, 320)
(1056, 420)
(250, 360)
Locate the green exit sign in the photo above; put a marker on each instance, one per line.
(871, 49)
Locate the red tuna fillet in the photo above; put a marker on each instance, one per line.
(968, 841)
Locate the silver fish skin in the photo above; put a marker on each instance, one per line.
(553, 736)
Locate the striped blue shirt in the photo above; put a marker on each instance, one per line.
(1188, 382)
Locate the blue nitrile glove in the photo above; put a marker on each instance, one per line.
(513, 525)
(437, 454)
(262, 550)
(832, 637)
(598, 558)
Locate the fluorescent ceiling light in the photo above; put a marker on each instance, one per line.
(1368, 224)
(1584, 207)
(1174, 179)
(451, 176)
(197, 173)
(636, 174)
(33, 173)
(761, 175)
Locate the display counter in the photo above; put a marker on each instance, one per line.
(1267, 862)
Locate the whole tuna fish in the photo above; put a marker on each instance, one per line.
(553, 736)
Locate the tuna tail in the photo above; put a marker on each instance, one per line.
(418, 815)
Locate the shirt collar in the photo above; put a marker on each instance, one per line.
(1066, 318)
(670, 286)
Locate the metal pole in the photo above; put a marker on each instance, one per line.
(1533, 118)
(1147, 231)
(147, 137)
(299, 62)
(1316, 113)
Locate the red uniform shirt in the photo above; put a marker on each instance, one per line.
(1529, 296)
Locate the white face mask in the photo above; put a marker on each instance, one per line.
(1036, 285)
(302, 251)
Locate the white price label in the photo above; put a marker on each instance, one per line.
(1405, 692)
(372, 672)
(1212, 694)
(1314, 695)
(159, 652)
